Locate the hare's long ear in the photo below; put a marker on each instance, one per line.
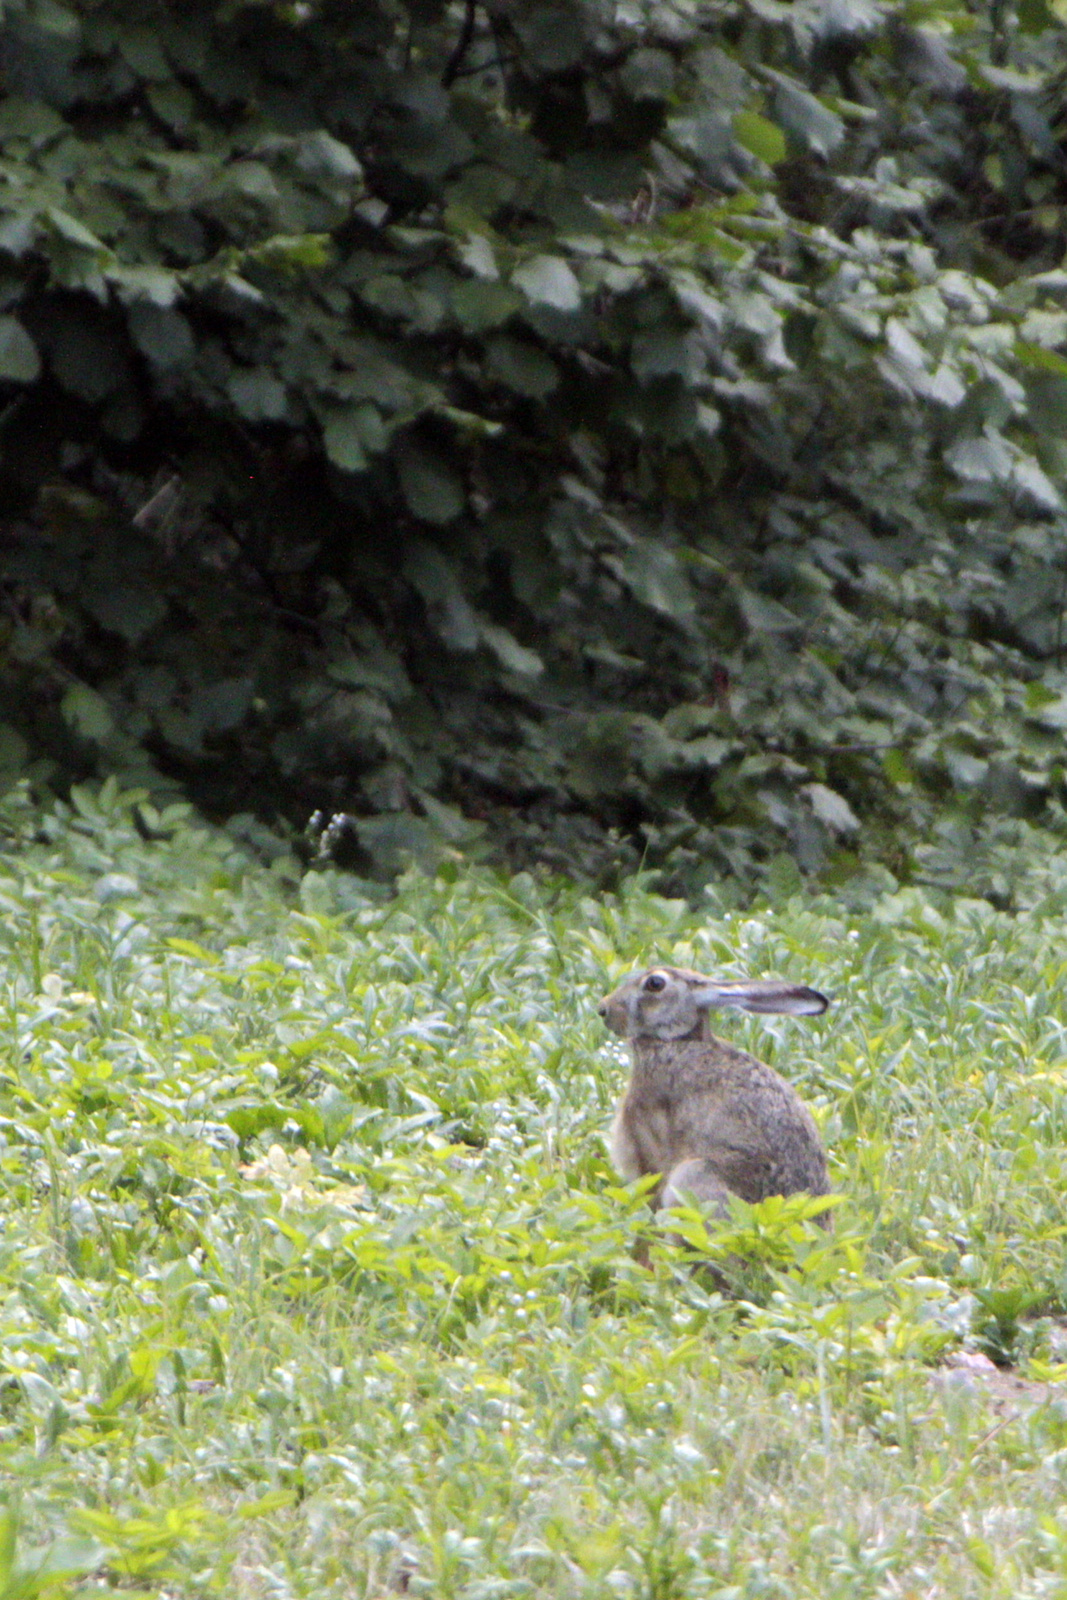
(796, 999)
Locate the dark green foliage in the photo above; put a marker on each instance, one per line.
(637, 429)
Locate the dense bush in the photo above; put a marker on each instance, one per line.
(637, 428)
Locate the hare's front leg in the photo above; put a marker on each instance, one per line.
(624, 1152)
(641, 1141)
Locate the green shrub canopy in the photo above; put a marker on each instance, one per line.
(633, 429)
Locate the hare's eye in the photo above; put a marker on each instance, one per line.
(654, 983)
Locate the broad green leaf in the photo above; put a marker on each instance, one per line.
(344, 435)
(1034, 485)
(709, 421)
(479, 305)
(764, 615)
(860, 319)
(257, 396)
(1045, 706)
(1046, 390)
(294, 253)
(18, 231)
(64, 1559)
(222, 705)
(708, 140)
(433, 492)
(29, 120)
(1045, 328)
(904, 347)
(831, 808)
(755, 312)
(73, 231)
(522, 367)
(698, 298)
(654, 576)
(1032, 355)
(450, 822)
(174, 105)
(19, 360)
(189, 947)
(509, 652)
(805, 118)
(263, 1505)
(391, 295)
(88, 713)
(141, 49)
(468, 423)
(369, 369)
(253, 180)
(162, 334)
(434, 576)
(665, 352)
(126, 608)
(945, 387)
(320, 153)
(885, 193)
(984, 459)
(760, 136)
(476, 254)
(648, 74)
(548, 281)
(896, 767)
(9, 1529)
(156, 286)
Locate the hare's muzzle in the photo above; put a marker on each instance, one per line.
(613, 1014)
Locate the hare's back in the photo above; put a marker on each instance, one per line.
(743, 1115)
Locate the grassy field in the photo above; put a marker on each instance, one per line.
(316, 1280)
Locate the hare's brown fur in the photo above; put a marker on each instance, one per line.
(710, 1119)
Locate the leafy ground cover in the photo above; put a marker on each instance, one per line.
(315, 1280)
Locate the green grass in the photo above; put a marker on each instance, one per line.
(315, 1279)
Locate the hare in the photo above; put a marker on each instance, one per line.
(709, 1118)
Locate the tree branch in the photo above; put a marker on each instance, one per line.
(463, 44)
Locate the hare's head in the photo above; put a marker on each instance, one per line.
(672, 1002)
